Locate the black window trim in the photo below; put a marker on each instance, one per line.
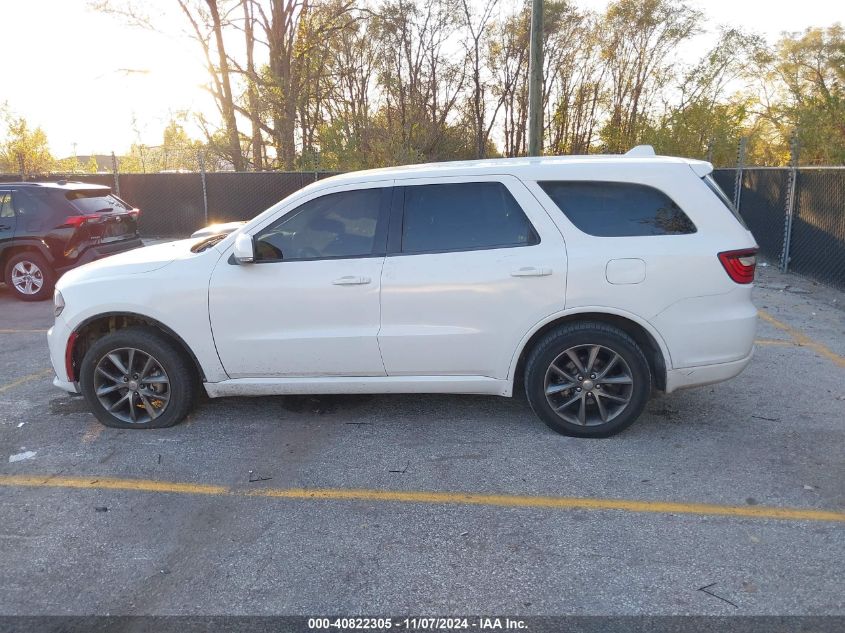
(540, 184)
(379, 240)
(397, 223)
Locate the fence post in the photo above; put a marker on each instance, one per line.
(201, 159)
(116, 174)
(709, 155)
(740, 164)
(790, 201)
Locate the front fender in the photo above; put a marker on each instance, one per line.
(182, 307)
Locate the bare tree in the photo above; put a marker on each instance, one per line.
(639, 36)
(257, 142)
(474, 42)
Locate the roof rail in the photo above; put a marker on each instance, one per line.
(640, 150)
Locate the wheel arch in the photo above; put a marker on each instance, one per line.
(99, 325)
(17, 247)
(649, 340)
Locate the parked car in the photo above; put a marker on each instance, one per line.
(587, 282)
(47, 228)
(216, 229)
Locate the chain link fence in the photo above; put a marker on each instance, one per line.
(817, 245)
(804, 232)
(175, 204)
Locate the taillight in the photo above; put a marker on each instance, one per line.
(76, 221)
(740, 264)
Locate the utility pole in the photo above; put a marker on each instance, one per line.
(535, 81)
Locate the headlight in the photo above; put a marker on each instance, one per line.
(58, 303)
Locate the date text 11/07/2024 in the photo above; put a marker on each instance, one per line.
(417, 624)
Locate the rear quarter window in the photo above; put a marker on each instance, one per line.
(618, 209)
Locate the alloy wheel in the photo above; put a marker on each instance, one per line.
(27, 278)
(588, 385)
(132, 385)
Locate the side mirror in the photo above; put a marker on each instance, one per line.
(244, 251)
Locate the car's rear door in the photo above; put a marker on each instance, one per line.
(309, 304)
(477, 263)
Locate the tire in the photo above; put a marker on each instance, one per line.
(578, 405)
(167, 388)
(24, 272)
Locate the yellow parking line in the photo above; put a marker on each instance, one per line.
(25, 379)
(803, 340)
(440, 498)
(774, 341)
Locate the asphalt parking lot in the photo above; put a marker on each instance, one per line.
(723, 500)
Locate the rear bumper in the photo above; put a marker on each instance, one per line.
(705, 374)
(709, 330)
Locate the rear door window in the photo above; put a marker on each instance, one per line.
(618, 209)
(463, 217)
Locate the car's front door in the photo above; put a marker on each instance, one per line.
(309, 304)
(7, 218)
(478, 263)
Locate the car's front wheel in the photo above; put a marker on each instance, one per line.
(30, 277)
(135, 378)
(587, 380)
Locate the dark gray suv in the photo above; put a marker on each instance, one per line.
(47, 228)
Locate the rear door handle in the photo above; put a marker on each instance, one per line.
(351, 280)
(531, 271)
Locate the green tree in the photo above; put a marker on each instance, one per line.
(24, 150)
(811, 68)
(639, 37)
(707, 120)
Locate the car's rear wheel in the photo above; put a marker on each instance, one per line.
(135, 378)
(587, 380)
(30, 277)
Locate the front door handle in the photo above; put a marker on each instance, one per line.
(531, 271)
(4, 227)
(351, 280)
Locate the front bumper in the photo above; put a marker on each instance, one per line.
(64, 385)
(57, 339)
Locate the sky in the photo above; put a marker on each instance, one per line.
(96, 84)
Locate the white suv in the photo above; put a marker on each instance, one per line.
(588, 281)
